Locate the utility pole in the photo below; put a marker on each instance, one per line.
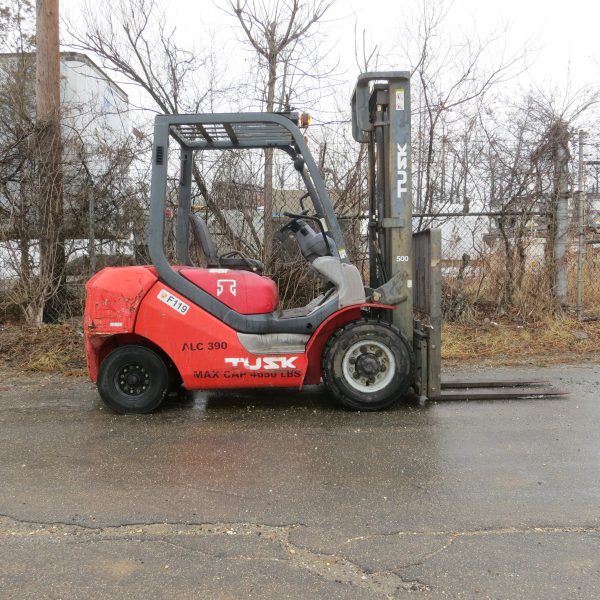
(49, 148)
(581, 197)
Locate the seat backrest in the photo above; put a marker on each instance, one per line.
(204, 240)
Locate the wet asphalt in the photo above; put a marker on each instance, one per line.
(284, 495)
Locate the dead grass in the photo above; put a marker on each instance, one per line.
(550, 341)
(59, 348)
(49, 348)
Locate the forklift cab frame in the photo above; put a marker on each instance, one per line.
(225, 131)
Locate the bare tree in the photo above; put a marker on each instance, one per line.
(517, 157)
(21, 197)
(17, 26)
(134, 38)
(451, 77)
(17, 166)
(279, 34)
(31, 185)
(92, 166)
(95, 164)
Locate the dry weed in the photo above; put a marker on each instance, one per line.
(59, 348)
(505, 343)
(49, 348)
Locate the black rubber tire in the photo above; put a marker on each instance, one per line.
(148, 366)
(343, 389)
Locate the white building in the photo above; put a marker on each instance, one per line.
(91, 99)
(94, 111)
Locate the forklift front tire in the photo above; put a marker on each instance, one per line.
(133, 380)
(368, 365)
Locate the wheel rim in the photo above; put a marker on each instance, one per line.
(133, 379)
(368, 366)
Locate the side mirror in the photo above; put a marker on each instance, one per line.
(299, 164)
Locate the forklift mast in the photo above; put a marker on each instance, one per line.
(403, 266)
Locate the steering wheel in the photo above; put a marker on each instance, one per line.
(304, 215)
(293, 219)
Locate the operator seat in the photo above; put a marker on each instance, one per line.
(229, 260)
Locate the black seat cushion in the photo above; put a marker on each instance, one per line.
(238, 262)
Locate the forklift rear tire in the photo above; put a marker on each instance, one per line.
(368, 365)
(133, 379)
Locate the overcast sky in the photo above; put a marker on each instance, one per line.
(562, 37)
(563, 34)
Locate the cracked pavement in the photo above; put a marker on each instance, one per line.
(282, 495)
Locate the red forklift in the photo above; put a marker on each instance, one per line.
(149, 329)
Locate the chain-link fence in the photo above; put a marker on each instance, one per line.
(494, 264)
(503, 264)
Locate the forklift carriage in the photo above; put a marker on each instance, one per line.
(150, 329)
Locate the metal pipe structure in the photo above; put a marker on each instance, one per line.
(581, 198)
(92, 231)
(481, 214)
(184, 208)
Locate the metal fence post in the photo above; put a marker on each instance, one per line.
(581, 198)
(561, 229)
